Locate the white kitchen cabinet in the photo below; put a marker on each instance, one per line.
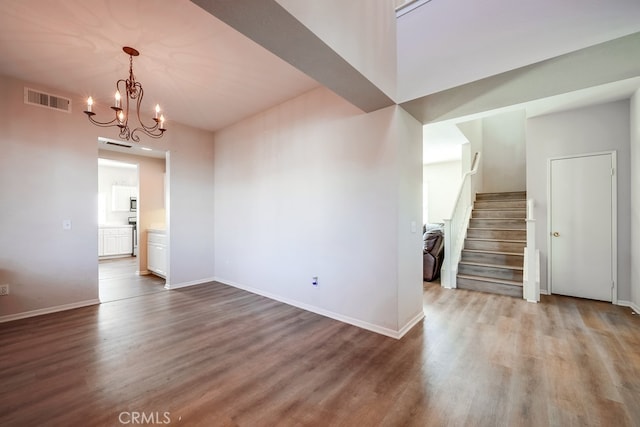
(121, 196)
(157, 252)
(115, 240)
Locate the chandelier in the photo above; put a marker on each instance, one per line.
(133, 94)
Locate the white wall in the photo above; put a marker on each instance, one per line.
(190, 171)
(504, 152)
(409, 228)
(598, 128)
(635, 199)
(49, 172)
(472, 130)
(312, 187)
(363, 32)
(441, 182)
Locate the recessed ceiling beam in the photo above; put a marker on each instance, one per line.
(274, 28)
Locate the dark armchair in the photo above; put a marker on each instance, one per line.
(432, 251)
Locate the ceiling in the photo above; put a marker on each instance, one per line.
(202, 72)
(447, 43)
(206, 74)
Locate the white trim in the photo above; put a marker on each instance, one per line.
(336, 316)
(408, 6)
(544, 292)
(191, 283)
(49, 310)
(633, 306)
(614, 217)
(410, 324)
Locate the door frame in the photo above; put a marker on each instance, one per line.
(614, 219)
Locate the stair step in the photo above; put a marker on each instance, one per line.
(495, 286)
(494, 252)
(498, 223)
(515, 246)
(497, 234)
(508, 195)
(493, 257)
(484, 264)
(493, 271)
(499, 204)
(499, 213)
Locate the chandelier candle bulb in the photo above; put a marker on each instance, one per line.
(89, 104)
(117, 99)
(157, 110)
(162, 122)
(121, 117)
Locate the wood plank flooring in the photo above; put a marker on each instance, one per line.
(117, 280)
(212, 355)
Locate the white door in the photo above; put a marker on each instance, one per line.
(582, 226)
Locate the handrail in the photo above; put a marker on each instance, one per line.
(531, 277)
(456, 226)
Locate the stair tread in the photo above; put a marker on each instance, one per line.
(484, 264)
(501, 219)
(484, 239)
(490, 280)
(503, 192)
(496, 229)
(482, 251)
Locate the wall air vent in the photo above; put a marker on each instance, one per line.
(47, 100)
(117, 144)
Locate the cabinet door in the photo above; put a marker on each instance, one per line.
(125, 242)
(156, 259)
(110, 244)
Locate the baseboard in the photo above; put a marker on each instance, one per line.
(634, 307)
(544, 292)
(48, 310)
(410, 324)
(191, 283)
(143, 273)
(327, 313)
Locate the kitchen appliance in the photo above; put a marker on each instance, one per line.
(133, 220)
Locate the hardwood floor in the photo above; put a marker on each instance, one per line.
(213, 355)
(118, 280)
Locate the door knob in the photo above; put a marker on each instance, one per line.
(556, 234)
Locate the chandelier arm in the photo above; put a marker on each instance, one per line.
(101, 124)
(146, 128)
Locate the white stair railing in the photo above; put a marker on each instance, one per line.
(455, 228)
(531, 276)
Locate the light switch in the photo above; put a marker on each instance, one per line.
(66, 224)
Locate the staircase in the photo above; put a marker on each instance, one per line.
(493, 253)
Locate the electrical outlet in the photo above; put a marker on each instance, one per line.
(314, 280)
(4, 290)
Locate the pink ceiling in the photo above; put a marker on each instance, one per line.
(201, 71)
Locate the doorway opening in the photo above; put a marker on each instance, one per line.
(131, 203)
